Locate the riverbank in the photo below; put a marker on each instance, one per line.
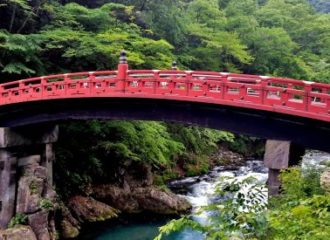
(198, 190)
(135, 195)
(105, 181)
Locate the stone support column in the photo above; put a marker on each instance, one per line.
(48, 160)
(7, 186)
(280, 155)
(20, 141)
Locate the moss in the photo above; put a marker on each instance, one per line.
(18, 219)
(68, 230)
(197, 165)
(33, 187)
(46, 204)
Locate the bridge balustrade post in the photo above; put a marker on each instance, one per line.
(264, 84)
(156, 82)
(174, 66)
(280, 155)
(307, 98)
(224, 87)
(189, 83)
(122, 72)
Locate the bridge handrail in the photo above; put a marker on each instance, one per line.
(288, 96)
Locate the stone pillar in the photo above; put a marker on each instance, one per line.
(7, 186)
(18, 140)
(48, 160)
(280, 155)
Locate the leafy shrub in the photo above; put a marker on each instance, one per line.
(18, 219)
(46, 204)
(196, 165)
(240, 213)
(307, 219)
(303, 210)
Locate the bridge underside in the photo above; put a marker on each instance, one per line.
(309, 133)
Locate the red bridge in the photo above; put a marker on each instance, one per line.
(288, 96)
(307, 104)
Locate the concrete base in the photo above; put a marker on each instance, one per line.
(280, 155)
(274, 183)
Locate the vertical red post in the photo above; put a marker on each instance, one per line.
(263, 88)
(224, 87)
(307, 98)
(122, 72)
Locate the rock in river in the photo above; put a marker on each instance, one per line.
(87, 209)
(18, 232)
(139, 199)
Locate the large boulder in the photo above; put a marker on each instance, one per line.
(18, 232)
(325, 180)
(29, 194)
(70, 227)
(87, 209)
(39, 224)
(158, 201)
(68, 230)
(139, 199)
(120, 198)
(31, 187)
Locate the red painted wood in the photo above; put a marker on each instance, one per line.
(287, 96)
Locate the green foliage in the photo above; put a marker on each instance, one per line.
(199, 140)
(299, 185)
(33, 187)
(305, 212)
(138, 139)
(46, 204)
(18, 219)
(275, 37)
(178, 225)
(307, 219)
(99, 148)
(240, 213)
(196, 164)
(301, 212)
(19, 54)
(247, 146)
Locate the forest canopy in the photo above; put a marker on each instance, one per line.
(287, 38)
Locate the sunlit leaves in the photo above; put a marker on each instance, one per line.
(19, 54)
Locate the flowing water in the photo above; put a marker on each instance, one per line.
(199, 191)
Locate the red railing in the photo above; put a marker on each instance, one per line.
(287, 96)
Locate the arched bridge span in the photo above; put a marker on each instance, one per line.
(268, 107)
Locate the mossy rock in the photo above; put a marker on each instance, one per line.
(68, 230)
(87, 209)
(325, 180)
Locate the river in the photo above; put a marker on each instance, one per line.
(199, 191)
